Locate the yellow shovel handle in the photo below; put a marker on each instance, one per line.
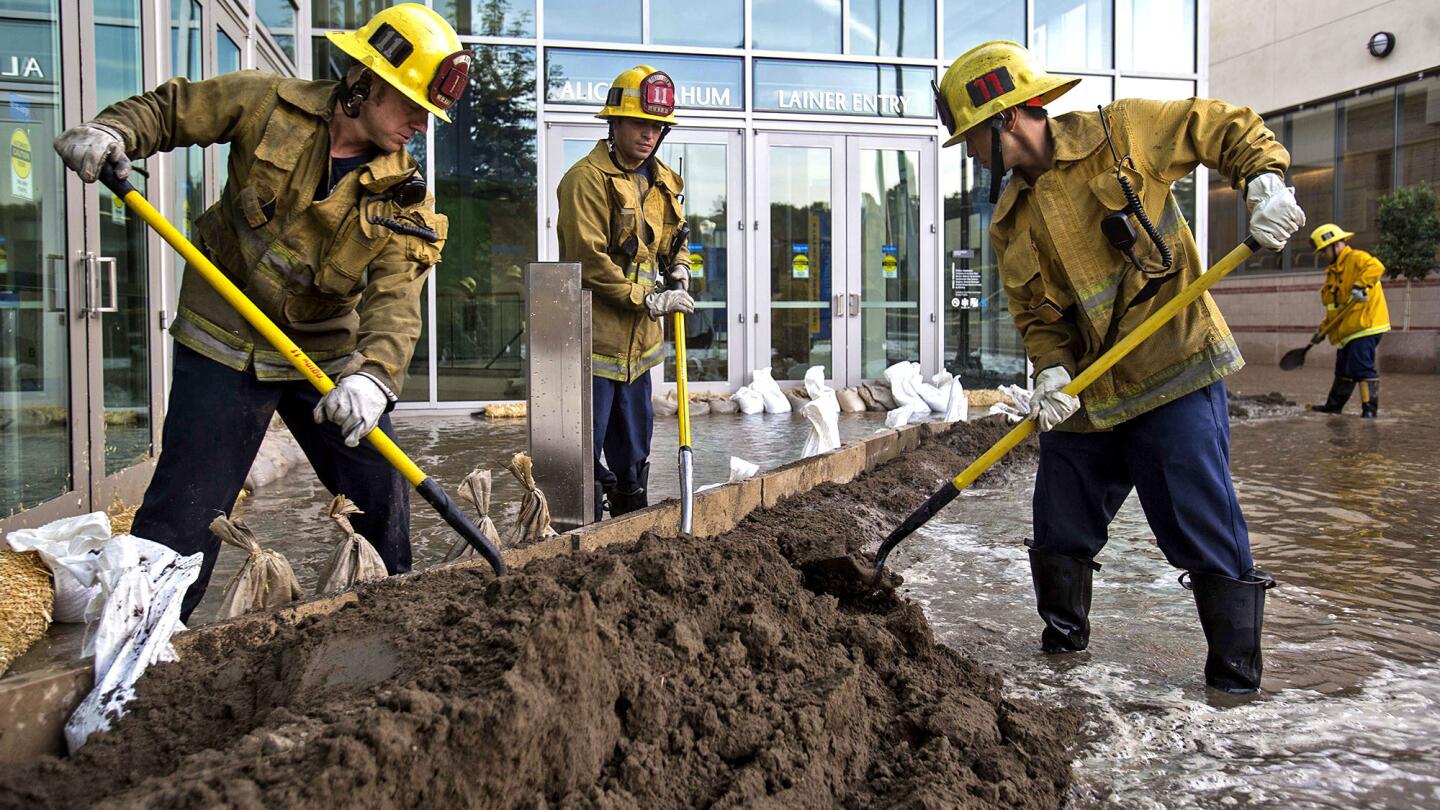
(682, 391)
(263, 325)
(1114, 355)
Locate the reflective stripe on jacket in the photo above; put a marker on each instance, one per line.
(1064, 281)
(306, 264)
(1355, 269)
(620, 255)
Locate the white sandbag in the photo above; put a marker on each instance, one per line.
(143, 584)
(905, 414)
(533, 522)
(265, 579)
(68, 547)
(824, 416)
(475, 490)
(749, 400)
(740, 469)
(354, 559)
(850, 401)
(957, 405)
(664, 405)
(1019, 405)
(902, 377)
(815, 386)
(763, 384)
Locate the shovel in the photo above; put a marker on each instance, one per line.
(844, 576)
(425, 485)
(1295, 358)
(682, 395)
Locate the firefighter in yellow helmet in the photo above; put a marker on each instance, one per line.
(1157, 422)
(323, 208)
(1352, 294)
(619, 212)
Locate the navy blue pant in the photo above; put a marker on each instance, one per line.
(624, 425)
(1356, 359)
(213, 427)
(1177, 457)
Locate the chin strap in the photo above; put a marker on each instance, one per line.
(997, 160)
(353, 95)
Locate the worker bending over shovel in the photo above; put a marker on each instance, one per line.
(1083, 263)
(619, 211)
(1352, 293)
(323, 205)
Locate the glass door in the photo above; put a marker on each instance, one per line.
(892, 256)
(43, 445)
(709, 162)
(845, 254)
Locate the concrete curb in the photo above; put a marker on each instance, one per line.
(34, 705)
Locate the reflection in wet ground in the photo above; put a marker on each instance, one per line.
(1345, 514)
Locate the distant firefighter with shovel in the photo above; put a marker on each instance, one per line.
(1356, 318)
(1081, 277)
(323, 208)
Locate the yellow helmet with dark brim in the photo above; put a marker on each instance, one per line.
(641, 92)
(1327, 235)
(414, 50)
(990, 79)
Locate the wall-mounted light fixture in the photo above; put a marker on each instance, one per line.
(1381, 44)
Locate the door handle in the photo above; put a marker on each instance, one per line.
(111, 283)
(839, 306)
(87, 306)
(56, 284)
(854, 305)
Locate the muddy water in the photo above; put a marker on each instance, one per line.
(1346, 514)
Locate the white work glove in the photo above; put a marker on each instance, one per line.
(356, 404)
(1358, 295)
(1274, 214)
(1049, 406)
(664, 303)
(679, 277)
(89, 146)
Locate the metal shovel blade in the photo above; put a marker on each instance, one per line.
(687, 489)
(1293, 359)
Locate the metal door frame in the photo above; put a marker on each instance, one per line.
(927, 304)
(760, 242)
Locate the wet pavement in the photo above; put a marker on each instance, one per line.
(1344, 512)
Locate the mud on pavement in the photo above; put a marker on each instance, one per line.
(654, 674)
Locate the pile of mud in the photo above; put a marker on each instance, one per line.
(655, 674)
(1258, 406)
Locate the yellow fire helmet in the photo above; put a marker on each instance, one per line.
(415, 51)
(990, 79)
(641, 92)
(1327, 235)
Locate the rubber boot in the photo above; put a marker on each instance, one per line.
(1340, 392)
(623, 501)
(1369, 399)
(1062, 597)
(1232, 612)
(600, 494)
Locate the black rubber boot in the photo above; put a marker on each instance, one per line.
(1232, 612)
(626, 501)
(1369, 399)
(1340, 392)
(1062, 597)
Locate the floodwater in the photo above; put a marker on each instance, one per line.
(1345, 513)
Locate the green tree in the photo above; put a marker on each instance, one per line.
(1409, 232)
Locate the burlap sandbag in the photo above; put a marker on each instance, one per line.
(264, 581)
(26, 599)
(475, 490)
(354, 559)
(533, 522)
